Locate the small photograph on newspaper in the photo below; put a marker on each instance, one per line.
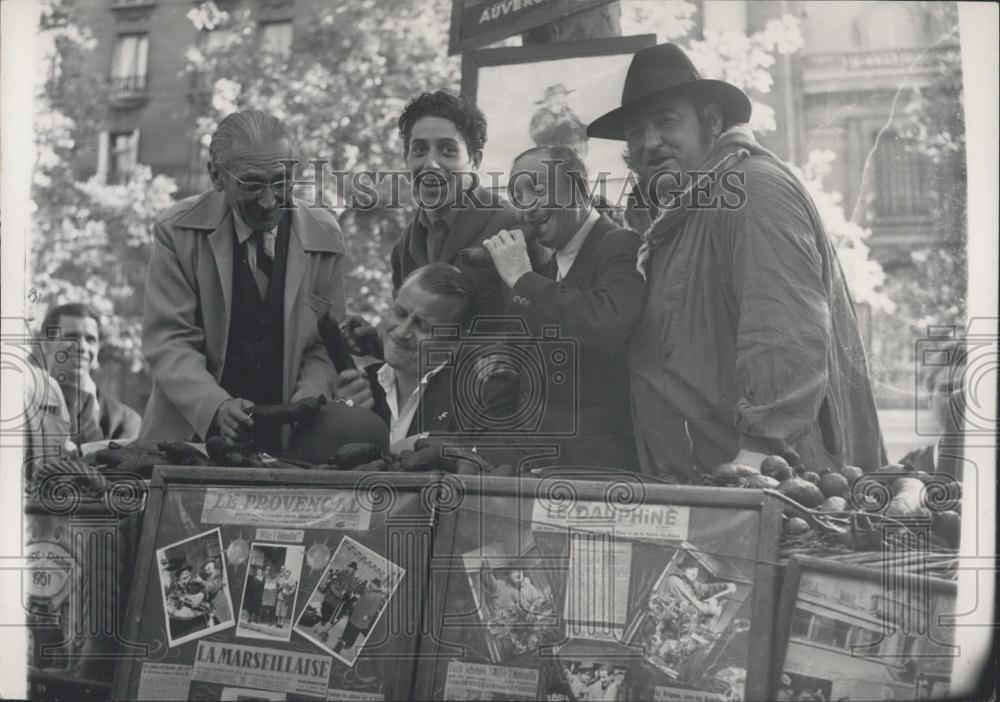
(348, 600)
(693, 623)
(270, 591)
(240, 694)
(587, 679)
(195, 588)
(513, 595)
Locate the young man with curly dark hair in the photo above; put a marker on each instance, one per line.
(443, 139)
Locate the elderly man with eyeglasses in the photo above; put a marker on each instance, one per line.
(238, 279)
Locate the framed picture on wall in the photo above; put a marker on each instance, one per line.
(846, 632)
(547, 94)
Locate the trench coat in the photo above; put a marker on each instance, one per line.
(748, 337)
(188, 303)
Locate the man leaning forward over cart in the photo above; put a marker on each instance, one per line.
(748, 344)
(238, 279)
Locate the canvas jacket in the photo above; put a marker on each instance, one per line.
(188, 304)
(748, 337)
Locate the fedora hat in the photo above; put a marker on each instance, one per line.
(661, 70)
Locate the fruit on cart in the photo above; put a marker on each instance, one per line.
(378, 465)
(834, 485)
(812, 476)
(181, 453)
(467, 467)
(907, 499)
(802, 491)
(852, 473)
(349, 456)
(834, 503)
(222, 454)
(796, 526)
(776, 467)
(733, 474)
(725, 474)
(429, 458)
(761, 482)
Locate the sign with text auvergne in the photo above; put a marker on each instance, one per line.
(480, 22)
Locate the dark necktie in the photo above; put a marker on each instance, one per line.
(265, 265)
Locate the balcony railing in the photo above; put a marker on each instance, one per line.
(128, 84)
(128, 91)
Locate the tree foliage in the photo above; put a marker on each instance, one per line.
(354, 66)
(90, 241)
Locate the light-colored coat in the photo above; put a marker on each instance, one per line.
(188, 304)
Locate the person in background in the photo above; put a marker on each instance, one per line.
(683, 584)
(366, 608)
(252, 594)
(748, 344)
(286, 596)
(214, 583)
(71, 341)
(337, 596)
(590, 290)
(410, 403)
(238, 280)
(269, 596)
(944, 385)
(443, 138)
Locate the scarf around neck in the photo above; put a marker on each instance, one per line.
(732, 146)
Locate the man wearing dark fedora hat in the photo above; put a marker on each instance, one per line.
(748, 344)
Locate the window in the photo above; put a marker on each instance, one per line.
(128, 66)
(217, 40)
(118, 153)
(830, 632)
(902, 180)
(867, 639)
(276, 37)
(800, 623)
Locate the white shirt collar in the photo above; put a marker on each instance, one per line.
(567, 254)
(402, 414)
(243, 230)
(244, 234)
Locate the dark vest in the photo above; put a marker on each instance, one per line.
(254, 353)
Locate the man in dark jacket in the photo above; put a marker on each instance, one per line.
(748, 344)
(72, 334)
(590, 290)
(443, 139)
(413, 396)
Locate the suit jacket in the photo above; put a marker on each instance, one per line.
(116, 419)
(469, 227)
(188, 305)
(597, 305)
(436, 413)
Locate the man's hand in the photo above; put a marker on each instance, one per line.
(233, 422)
(353, 387)
(510, 255)
(750, 458)
(362, 338)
